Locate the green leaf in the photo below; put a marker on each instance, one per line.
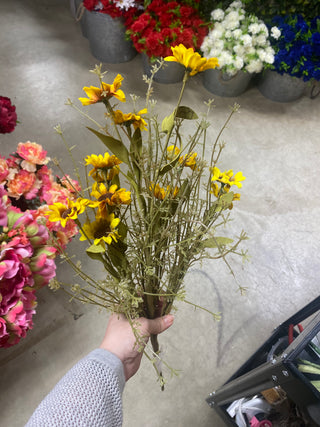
(123, 230)
(116, 181)
(168, 123)
(186, 113)
(95, 249)
(166, 168)
(114, 145)
(140, 198)
(117, 257)
(136, 142)
(185, 189)
(215, 242)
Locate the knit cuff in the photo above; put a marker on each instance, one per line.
(111, 361)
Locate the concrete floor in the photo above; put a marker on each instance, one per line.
(43, 61)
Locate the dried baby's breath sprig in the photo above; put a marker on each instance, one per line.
(155, 205)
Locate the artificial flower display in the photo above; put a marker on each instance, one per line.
(165, 24)
(31, 185)
(156, 204)
(115, 8)
(29, 238)
(26, 264)
(297, 50)
(239, 40)
(8, 115)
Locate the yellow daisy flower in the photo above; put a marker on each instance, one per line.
(161, 193)
(131, 119)
(58, 212)
(102, 230)
(236, 179)
(191, 60)
(109, 196)
(102, 162)
(107, 91)
(189, 160)
(219, 176)
(172, 152)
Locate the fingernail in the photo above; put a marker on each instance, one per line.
(168, 319)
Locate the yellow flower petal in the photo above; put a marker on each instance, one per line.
(191, 60)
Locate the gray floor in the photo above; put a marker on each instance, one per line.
(45, 60)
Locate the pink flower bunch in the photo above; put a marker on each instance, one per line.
(31, 185)
(26, 264)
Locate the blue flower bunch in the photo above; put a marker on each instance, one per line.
(297, 50)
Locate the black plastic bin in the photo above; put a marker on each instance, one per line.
(257, 374)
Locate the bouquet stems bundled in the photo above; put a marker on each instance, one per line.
(148, 237)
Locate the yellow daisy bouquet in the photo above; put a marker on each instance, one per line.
(154, 203)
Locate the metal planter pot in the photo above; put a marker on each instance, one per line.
(171, 72)
(281, 87)
(79, 12)
(219, 83)
(106, 37)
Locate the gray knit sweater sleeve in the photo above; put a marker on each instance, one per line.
(88, 395)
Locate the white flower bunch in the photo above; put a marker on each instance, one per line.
(125, 4)
(240, 41)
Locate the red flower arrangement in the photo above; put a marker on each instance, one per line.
(115, 8)
(8, 115)
(167, 24)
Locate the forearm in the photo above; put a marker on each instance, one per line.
(88, 395)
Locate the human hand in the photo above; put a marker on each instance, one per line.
(121, 341)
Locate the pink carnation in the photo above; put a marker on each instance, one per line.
(70, 184)
(4, 170)
(33, 154)
(15, 324)
(21, 184)
(43, 266)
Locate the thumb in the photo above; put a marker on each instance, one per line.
(160, 324)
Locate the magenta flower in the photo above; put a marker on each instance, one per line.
(8, 115)
(18, 320)
(43, 266)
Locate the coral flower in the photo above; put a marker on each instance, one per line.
(96, 94)
(191, 60)
(58, 212)
(135, 119)
(101, 231)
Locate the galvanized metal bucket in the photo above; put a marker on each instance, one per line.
(281, 87)
(106, 37)
(171, 72)
(222, 84)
